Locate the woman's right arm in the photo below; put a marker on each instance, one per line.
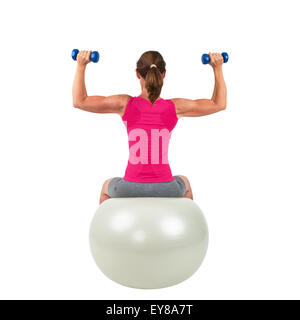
(98, 104)
(202, 107)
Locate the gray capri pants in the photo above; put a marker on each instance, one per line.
(120, 188)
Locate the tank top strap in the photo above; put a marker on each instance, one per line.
(173, 109)
(127, 108)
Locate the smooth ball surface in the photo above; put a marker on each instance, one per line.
(148, 242)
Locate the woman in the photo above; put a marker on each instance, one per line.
(149, 120)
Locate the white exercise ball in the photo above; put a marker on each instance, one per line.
(148, 243)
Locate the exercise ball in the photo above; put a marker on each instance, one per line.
(148, 243)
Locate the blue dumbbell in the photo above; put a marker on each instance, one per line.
(94, 55)
(206, 59)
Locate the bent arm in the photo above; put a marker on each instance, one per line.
(202, 107)
(219, 96)
(97, 104)
(78, 90)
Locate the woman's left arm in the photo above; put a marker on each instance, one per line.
(97, 104)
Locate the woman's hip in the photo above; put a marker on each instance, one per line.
(118, 188)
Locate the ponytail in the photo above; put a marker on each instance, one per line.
(154, 83)
(153, 75)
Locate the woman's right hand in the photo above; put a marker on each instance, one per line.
(83, 57)
(216, 60)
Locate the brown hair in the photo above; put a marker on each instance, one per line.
(153, 76)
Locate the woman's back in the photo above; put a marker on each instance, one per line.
(149, 123)
(149, 129)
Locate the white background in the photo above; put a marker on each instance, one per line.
(243, 163)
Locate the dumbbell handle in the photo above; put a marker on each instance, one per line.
(94, 55)
(206, 58)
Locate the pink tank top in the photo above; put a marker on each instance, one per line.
(149, 129)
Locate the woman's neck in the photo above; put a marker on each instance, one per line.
(145, 96)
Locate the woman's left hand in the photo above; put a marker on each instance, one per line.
(83, 57)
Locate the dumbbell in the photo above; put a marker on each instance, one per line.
(206, 59)
(94, 55)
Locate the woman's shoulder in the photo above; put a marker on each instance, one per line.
(125, 102)
(126, 98)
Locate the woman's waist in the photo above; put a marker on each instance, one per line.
(148, 172)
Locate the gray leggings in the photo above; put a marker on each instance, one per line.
(118, 188)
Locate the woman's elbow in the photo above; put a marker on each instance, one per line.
(220, 106)
(77, 104)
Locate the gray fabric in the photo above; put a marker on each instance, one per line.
(118, 188)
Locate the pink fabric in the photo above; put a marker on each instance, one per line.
(149, 129)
